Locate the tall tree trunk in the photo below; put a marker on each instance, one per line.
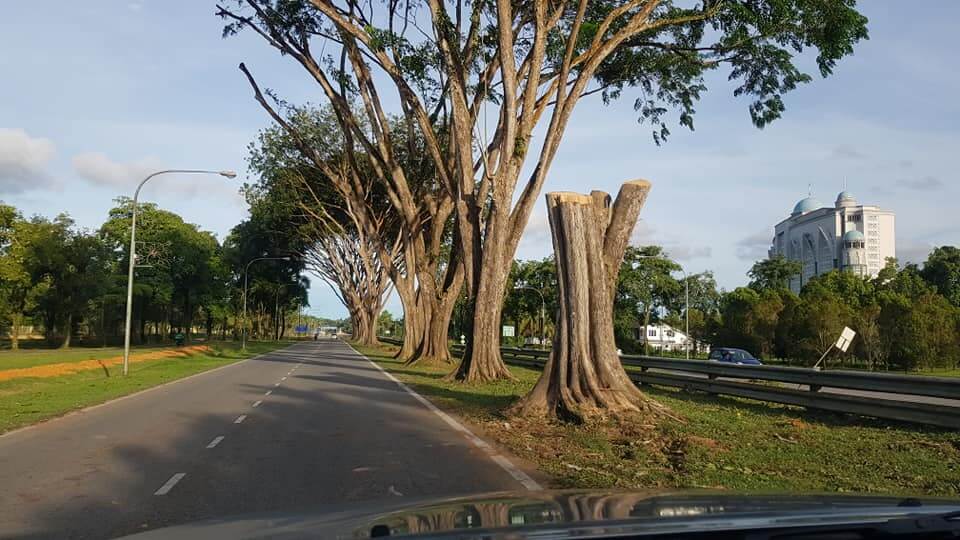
(583, 376)
(359, 323)
(370, 330)
(412, 317)
(68, 327)
(187, 316)
(15, 326)
(363, 317)
(434, 347)
(437, 311)
(646, 329)
(481, 359)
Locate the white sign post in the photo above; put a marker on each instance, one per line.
(845, 338)
(507, 331)
(843, 343)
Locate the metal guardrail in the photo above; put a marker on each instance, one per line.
(743, 381)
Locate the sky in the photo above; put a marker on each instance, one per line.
(102, 93)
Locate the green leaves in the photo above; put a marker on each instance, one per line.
(774, 273)
(759, 41)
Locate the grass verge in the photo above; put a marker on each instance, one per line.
(27, 358)
(724, 442)
(27, 401)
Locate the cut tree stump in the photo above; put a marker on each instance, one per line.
(583, 376)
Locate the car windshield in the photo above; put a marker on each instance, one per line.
(273, 257)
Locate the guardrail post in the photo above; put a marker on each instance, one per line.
(639, 381)
(703, 376)
(712, 377)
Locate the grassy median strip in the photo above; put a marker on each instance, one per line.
(28, 358)
(723, 442)
(26, 401)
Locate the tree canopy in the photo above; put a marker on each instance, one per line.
(448, 64)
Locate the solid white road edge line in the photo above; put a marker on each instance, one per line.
(240, 419)
(215, 441)
(164, 489)
(502, 461)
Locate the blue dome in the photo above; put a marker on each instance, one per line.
(806, 205)
(853, 236)
(845, 196)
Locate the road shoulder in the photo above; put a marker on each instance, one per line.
(522, 471)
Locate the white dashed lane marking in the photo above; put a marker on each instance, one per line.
(240, 418)
(283, 378)
(257, 403)
(268, 392)
(164, 489)
(215, 441)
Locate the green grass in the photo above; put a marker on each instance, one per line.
(726, 443)
(24, 358)
(30, 400)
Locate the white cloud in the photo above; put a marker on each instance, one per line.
(100, 170)
(755, 246)
(927, 183)
(845, 151)
(123, 178)
(536, 241)
(676, 248)
(685, 253)
(23, 161)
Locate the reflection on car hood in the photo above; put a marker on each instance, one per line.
(560, 514)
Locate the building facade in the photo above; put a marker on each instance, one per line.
(663, 337)
(847, 236)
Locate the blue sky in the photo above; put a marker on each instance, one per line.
(102, 92)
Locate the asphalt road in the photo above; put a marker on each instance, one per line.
(310, 425)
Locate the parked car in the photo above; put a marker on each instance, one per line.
(733, 356)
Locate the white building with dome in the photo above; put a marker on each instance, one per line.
(846, 236)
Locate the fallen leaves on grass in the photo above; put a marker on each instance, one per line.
(785, 439)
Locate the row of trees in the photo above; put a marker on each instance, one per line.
(906, 318)
(68, 281)
(396, 175)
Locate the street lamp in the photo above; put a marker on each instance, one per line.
(543, 309)
(133, 251)
(686, 309)
(243, 329)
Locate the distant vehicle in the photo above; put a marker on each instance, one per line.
(733, 356)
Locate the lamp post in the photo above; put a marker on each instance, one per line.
(133, 251)
(243, 329)
(686, 311)
(543, 309)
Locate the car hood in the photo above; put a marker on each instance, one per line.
(558, 514)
